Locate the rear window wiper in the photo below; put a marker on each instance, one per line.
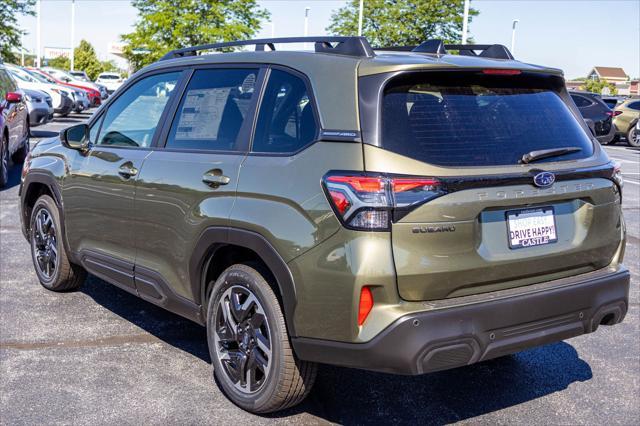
(547, 153)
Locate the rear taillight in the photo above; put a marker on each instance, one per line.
(369, 202)
(617, 175)
(613, 113)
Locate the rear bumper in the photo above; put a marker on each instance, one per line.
(492, 326)
(39, 116)
(608, 137)
(65, 107)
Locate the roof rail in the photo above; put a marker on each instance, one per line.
(437, 47)
(348, 46)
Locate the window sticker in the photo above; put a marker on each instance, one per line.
(202, 113)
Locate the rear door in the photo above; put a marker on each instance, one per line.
(499, 221)
(189, 182)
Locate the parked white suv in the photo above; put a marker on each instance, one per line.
(111, 80)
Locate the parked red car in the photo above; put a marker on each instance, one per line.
(93, 94)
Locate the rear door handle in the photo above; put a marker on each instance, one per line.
(215, 178)
(127, 170)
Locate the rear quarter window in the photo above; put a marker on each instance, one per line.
(470, 119)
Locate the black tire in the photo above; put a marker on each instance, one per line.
(20, 155)
(59, 274)
(632, 137)
(286, 380)
(4, 160)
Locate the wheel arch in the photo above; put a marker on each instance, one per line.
(35, 184)
(215, 240)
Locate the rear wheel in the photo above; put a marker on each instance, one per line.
(50, 259)
(249, 345)
(4, 160)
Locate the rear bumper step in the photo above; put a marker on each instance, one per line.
(460, 335)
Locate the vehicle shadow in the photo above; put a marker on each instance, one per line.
(70, 120)
(349, 396)
(35, 133)
(15, 170)
(170, 328)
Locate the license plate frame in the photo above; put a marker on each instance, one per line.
(531, 215)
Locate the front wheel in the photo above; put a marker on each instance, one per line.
(249, 345)
(633, 138)
(50, 259)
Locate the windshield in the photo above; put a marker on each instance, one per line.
(109, 77)
(21, 75)
(59, 74)
(471, 119)
(41, 77)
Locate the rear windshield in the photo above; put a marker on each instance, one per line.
(471, 119)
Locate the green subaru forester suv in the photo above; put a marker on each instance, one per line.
(403, 210)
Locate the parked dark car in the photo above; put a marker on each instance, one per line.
(612, 101)
(14, 124)
(597, 114)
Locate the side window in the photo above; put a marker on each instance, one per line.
(131, 120)
(635, 105)
(4, 84)
(286, 121)
(95, 128)
(212, 110)
(580, 101)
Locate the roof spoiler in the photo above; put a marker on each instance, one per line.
(437, 47)
(347, 46)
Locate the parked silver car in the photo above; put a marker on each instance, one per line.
(39, 105)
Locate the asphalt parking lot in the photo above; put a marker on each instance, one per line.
(102, 356)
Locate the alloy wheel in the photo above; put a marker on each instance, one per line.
(45, 244)
(242, 339)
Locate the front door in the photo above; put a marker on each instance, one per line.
(100, 190)
(189, 181)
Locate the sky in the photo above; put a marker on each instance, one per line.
(573, 35)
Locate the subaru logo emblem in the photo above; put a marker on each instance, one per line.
(544, 179)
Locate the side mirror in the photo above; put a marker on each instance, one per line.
(13, 97)
(76, 137)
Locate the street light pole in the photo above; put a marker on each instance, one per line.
(306, 23)
(513, 35)
(465, 21)
(21, 48)
(73, 31)
(38, 35)
(360, 18)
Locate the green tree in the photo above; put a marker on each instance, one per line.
(597, 85)
(10, 10)
(402, 23)
(164, 25)
(85, 59)
(61, 62)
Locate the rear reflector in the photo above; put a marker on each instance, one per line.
(366, 304)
